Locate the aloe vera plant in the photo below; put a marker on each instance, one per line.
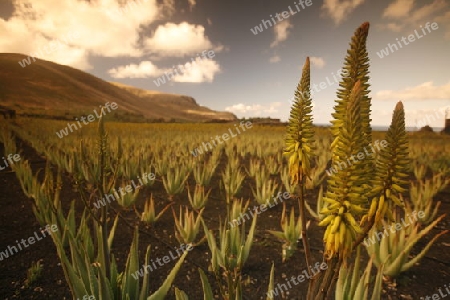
(265, 191)
(317, 174)
(352, 133)
(234, 160)
(237, 213)
(161, 165)
(419, 170)
(232, 181)
(287, 183)
(148, 179)
(204, 172)
(8, 140)
(27, 182)
(127, 198)
(272, 165)
(130, 167)
(421, 202)
(394, 248)
(350, 189)
(187, 226)
(33, 273)
(216, 156)
(262, 175)
(300, 146)
(391, 168)
(87, 260)
(291, 233)
(422, 194)
(149, 215)
(163, 148)
(174, 181)
(199, 198)
(254, 167)
(321, 205)
(229, 257)
(351, 285)
(345, 196)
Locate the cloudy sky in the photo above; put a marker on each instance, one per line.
(245, 56)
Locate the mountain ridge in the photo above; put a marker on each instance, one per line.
(48, 89)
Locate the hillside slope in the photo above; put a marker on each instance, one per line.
(50, 89)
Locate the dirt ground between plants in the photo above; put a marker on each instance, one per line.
(18, 221)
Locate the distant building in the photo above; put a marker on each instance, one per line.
(265, 121)
(7, 113)
(447, 127)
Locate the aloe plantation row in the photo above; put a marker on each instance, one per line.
(220, 201)
(225, 170)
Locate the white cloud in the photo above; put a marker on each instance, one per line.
(424, 91)
(398, 9)
(425, 12)
(274, 59)
(404, 15)
(339, 10)
(198, 70)
(142, 70)
(254, 109)
(281, 30)
(180, 40)
(319, 62)
(104, 28)
(392, 27)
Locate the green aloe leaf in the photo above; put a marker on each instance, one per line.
(145, 289)
(207, 291)
(161, 293)
(112, 232)
(180, 295)
(270, 288)
(130, 286)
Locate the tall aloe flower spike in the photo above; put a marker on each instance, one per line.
(345, 196)
(300, 145)
(300, 132)
(356, 68)
(392, 168)
(347, 189)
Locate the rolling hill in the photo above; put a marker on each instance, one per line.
(47, 89)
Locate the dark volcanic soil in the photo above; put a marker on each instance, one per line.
(18, 221)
